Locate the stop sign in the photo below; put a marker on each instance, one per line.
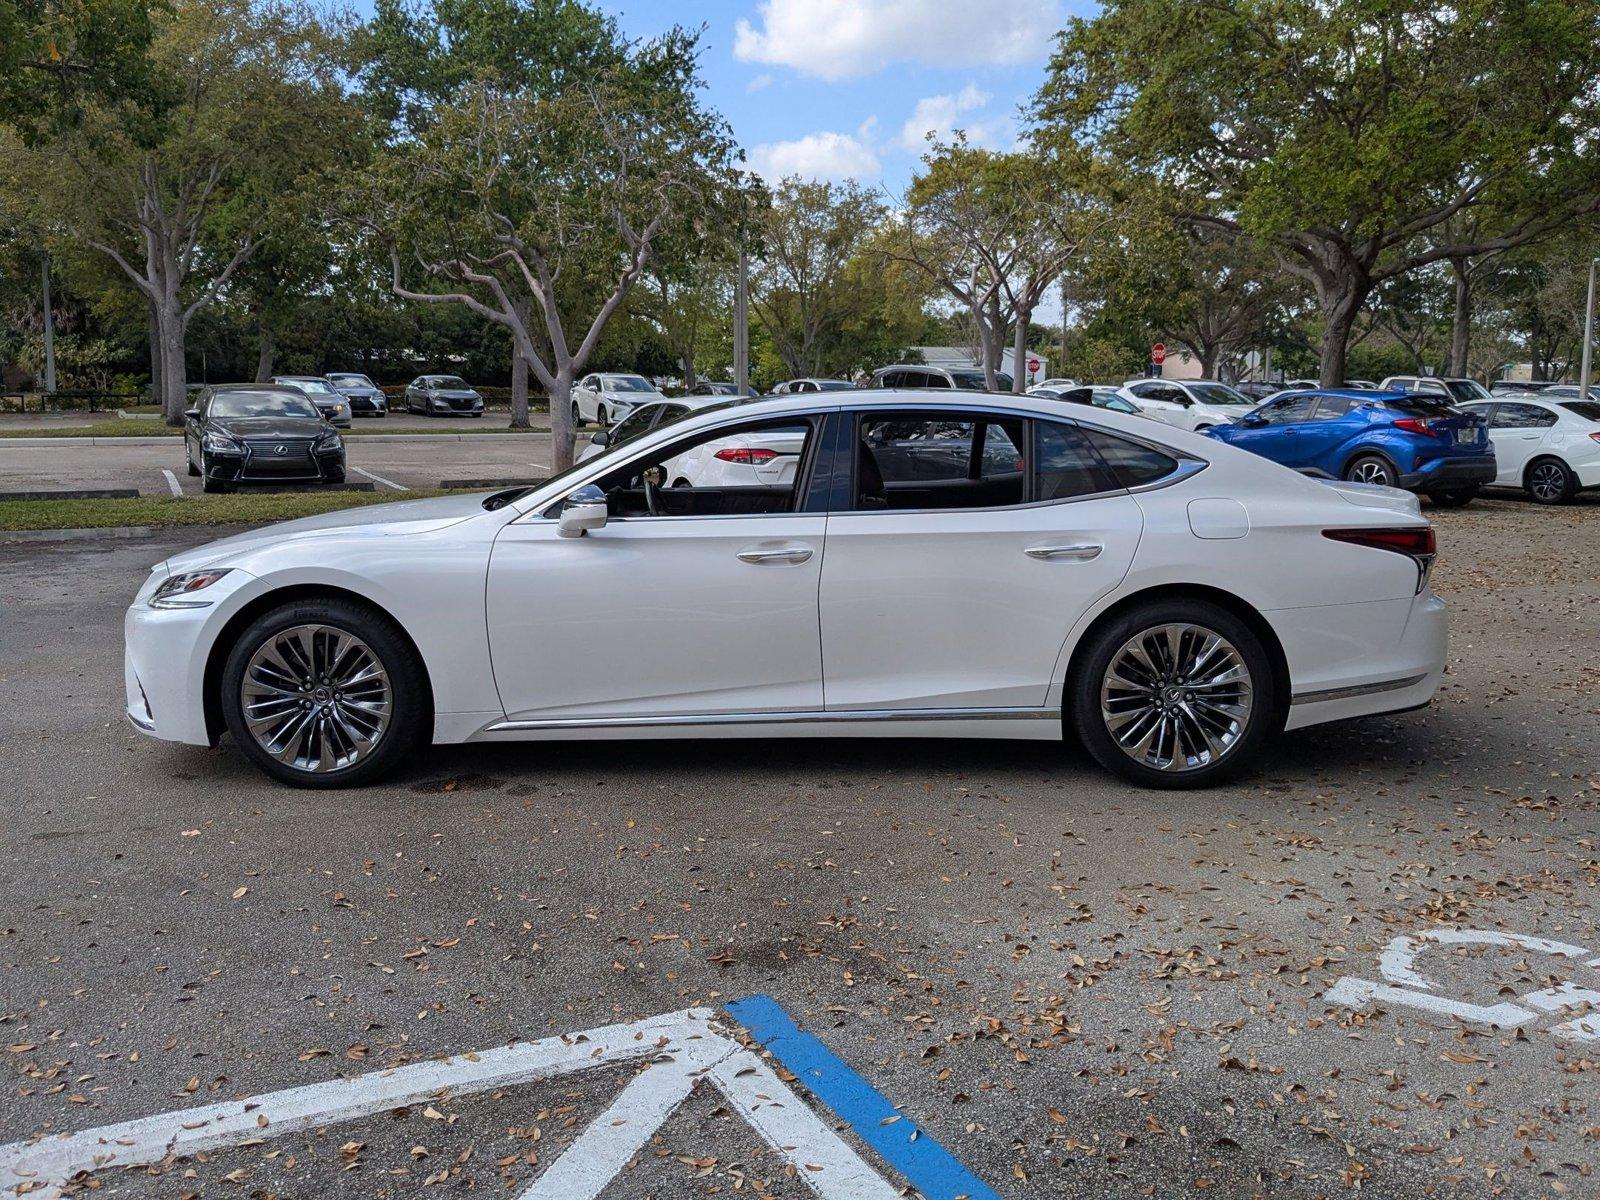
(1033, 365)
(1158, 353)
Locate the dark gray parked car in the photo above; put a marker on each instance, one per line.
(366, 398)
(443, 395)
(260, 433)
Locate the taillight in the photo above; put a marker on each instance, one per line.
(1413, 425)
(1594, 437)
(741, 454)
(1416, 542)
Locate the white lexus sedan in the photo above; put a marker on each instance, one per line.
(961, 565)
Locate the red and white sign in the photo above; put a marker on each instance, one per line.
(1033, 365)
(1158, 353)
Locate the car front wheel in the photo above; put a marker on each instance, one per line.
(1173, 694)
(1454, 497)
(324, 693)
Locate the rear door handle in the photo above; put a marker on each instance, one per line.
(781, 554)
(1082, 552)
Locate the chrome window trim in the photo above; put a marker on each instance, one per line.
(811, 716)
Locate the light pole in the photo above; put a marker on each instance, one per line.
(50, 333)
(1588, 333)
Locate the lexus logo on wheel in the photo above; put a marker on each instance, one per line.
(280, 450)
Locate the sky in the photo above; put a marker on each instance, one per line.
(850, 89)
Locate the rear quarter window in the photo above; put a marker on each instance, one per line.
(1131, 463)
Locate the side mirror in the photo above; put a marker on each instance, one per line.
(584, 510)
(601, 439)
(192, 414)
(1252, 420)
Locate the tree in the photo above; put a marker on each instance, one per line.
(1344, 132)
(55, 57)
(541, 211)
(178, 201)
(801, 289)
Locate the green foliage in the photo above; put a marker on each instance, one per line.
(56, 56)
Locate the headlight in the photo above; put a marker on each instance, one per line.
(220, 441)
(338, 409)
(177, 591)
(330, 441)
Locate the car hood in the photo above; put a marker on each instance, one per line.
(377, 520)
(1372, 495)
(358, 389)
(634, 398)
(453, 393)
(269, 427)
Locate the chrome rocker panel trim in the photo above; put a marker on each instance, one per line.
(848, 716)
(1360, 689)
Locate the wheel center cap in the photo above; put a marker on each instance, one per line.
(322, 695)
(1171, 694)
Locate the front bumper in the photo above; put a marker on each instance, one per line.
(365, 403)
(249, 466)
(441, 405)
(1478, 469)
(164, 661)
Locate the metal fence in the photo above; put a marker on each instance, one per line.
(68, 401)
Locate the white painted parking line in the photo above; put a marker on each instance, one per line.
(376, 478)
(172, 482)
(677, 1049)
(1405, 986)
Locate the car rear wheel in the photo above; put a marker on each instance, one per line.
(1371, 468)
(325, 693)
(1173, 694)
(1454, 497)
(577, 417)
(1550, 481)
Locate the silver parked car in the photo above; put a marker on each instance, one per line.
(443, 396)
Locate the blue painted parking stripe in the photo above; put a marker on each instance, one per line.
(902, 1143)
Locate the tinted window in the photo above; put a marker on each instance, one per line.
(1289, 410)
(1219, 393)
(909, 461)
(259, 404)
(751, 470)
(1067, 463)
(1467, 389)
(1132, 464)
(1584, 408)
(1522, 416)
(635, 424)
(1331, 408)
(933, 379)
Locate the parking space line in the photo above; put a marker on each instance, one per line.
(930, 1168)
(173, 485)
(376, 478)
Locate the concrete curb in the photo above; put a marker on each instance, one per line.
(78, 535)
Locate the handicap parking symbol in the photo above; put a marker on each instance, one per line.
(1405, 985)
(675, 1053)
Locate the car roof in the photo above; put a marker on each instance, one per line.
(252, 387)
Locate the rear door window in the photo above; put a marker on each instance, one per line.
(1522, 416)
(1067, 463)
(1331, 408)
(1291, 410)
(938, 460)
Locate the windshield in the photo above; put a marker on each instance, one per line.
(834, 385)
(1584, 408)
(314, 387)
(356, 380)
(1220, 393)
(450, 381)
(260, 404)
(975, 381)
(1467, 389)
(626, 383)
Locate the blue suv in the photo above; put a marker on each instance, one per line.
(1398, 439)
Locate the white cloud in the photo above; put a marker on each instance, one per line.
(941, 116)
(824, 155)
(836, 39)
(759, 82)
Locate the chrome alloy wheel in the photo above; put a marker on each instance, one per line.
(316, 698)
(1176, 697)
(1547, 481)
(1370, 471)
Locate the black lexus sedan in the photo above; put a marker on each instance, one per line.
(260, 433)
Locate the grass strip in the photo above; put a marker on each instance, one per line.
(237, 508)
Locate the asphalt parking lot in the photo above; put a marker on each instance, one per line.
(1075, 988)
(390, 463)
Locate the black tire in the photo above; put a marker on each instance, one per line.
(1550, 481)
(194, 471)
(409, 724)
(577, 417)
(1371, 468)
(601, 417)
(335, 477)
(215, 487)
(1454, 497)
(1102, 646)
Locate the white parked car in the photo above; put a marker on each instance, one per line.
(1451, 391)
(604, 398)
(956, 566)
(1193, 404)
(794, 387)
(1549, 448)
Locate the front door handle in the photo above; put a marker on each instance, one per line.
(781, 554)
(1082, 552)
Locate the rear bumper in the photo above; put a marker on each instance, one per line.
(1358, 660)
(1476, 470)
